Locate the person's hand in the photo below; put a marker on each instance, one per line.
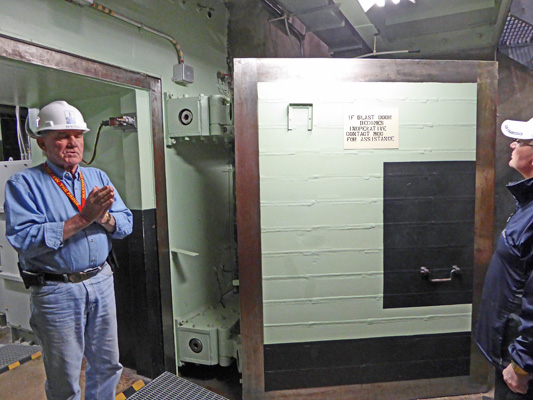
(517, 383)
(98, 204)
(105, 218)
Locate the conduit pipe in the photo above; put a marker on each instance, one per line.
(139, 25)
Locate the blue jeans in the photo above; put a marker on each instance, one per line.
(72, 320)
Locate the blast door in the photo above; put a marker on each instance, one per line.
(359, 202)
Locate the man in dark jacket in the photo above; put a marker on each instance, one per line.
(505, 326)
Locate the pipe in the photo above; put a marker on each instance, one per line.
(279, 13)
(381, 53)
(140, 25)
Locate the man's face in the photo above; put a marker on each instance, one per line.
(63, 148)
(522, 157)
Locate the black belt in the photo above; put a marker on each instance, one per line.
(40, 278)
(72, 278)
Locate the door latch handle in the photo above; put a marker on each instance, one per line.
(426, 273)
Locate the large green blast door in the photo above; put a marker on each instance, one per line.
(358, 204)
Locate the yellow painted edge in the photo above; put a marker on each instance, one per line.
(36, 355)
(137, 385)
(14, 365)
(120, 396)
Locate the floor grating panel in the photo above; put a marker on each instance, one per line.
(168, 386)
(11, 354)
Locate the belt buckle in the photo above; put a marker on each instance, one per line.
(77, 278)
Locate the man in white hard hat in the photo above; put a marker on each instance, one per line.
(60, 218)
(505, 324)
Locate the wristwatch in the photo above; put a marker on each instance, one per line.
(518, 370)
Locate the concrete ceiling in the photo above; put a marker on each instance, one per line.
(438, 29)
(429, 29)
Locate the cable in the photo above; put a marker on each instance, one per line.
(280, 14)
(102, 124)
(20, 139)
(289, 35)
(124, 122)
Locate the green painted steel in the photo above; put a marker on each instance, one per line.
(199, 177)
(322, 206)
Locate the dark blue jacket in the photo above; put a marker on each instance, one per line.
(505, 319)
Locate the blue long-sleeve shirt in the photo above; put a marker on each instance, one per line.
(36, 210)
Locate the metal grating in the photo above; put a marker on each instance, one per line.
(11, 353)
(523, 55)
(516, 32)
(168, 386)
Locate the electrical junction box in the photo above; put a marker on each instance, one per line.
(183, 73)
(198, 116)
(14, 298)
(198, 346)
(210, 336)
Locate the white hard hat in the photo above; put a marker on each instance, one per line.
(59, 116)
(518, 129)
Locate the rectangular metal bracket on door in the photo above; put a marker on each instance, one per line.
(297, 116)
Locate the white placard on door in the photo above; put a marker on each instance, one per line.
(373, 128)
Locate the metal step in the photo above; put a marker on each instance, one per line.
(12, 355)
(168, 386)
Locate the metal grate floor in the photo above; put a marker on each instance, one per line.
(11, 353)
(168, 386)
(516, 32)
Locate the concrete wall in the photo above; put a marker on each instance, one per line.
(250, 34)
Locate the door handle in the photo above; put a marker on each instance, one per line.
(426, 273)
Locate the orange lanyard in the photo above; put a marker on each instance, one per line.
(64, 188)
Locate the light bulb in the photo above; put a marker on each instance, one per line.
(380, 3)
(396, 1)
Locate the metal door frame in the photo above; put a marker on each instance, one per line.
(247, 73)
(17, 50)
